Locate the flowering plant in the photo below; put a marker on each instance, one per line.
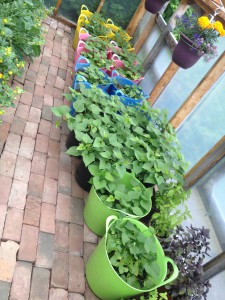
(202, 32)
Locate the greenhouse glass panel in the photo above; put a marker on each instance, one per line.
(71, 8)
(205, 126)
(121, 12)
(184, 82)
(211, 188)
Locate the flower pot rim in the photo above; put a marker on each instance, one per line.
(104, 239)
(183, 37)
(119, 210)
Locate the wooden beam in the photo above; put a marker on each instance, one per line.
(58, 4)
(133, 25)
(202, 88)
(205, 164)
(65, 21)
(214, 266)
(209, 7)
(183, 6)
(145, 33)
(100, 6)
(163, 82)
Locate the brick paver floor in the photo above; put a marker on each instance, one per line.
(44, 243)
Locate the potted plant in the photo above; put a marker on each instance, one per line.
(169, 209)
(95, 25)
(96, 51)
(112, 195)
(188, 248)
(154, 6)
(128, 261)
(197, 37)
(133, 139)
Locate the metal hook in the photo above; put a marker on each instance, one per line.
(216, 12)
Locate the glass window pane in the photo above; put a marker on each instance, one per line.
(121, 12)
(205, 126)
(211, 188)
(184, 82)
(216, 292)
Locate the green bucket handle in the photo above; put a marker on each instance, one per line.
(173, 276)
(109, 220)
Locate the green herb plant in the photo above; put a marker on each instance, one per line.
(153, 295)
(133, 254)
(96, 25)
(135, 139)
(171, 209)
(97, 52)
(129, 197)
(94, 75)
(131, 91)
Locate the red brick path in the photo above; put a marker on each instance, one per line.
(43, 241)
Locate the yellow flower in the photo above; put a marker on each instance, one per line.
(210, 26)
(5, 21)
(218, 26)
(1, 75)
(203, 22)
(10, 72)
(222, 32)
(1, 112)
(8, 51)
(1, 60)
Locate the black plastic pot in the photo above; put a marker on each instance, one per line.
(82, 176)
(154, 6)
(71, 141)
(146, 220)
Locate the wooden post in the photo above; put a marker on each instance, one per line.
(163, 82)
(145, 33)
(201, 89)
(171, 24)
(59, 2)
(136, 18)
(100, 6)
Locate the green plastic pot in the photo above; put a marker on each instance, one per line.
(107, 284)
(96, 212)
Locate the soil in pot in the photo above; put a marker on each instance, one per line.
(82, 176)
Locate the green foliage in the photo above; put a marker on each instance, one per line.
(132, 91)
(97, 52)
(96, 25)
(121, 12)
(170, 9)
(153, 295)
(133, 254)
(94, 75)
(128, 196)
(20, 36)
(139, 139)
(171, 209)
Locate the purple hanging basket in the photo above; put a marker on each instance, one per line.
(184, 54)
(154, 6)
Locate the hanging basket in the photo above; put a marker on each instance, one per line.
(154, 6)
(184, 54)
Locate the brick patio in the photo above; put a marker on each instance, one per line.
(43, 241)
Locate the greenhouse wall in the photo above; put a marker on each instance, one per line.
(198, 134)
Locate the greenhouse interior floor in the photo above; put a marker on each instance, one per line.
(44, 243)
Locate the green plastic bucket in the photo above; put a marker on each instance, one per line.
(96, 212)
(107, 284)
